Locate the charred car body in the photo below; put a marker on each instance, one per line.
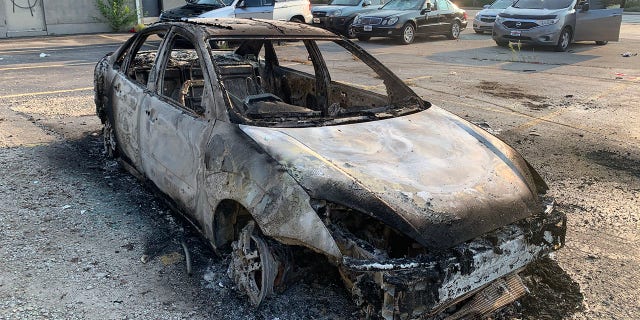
(315, 144)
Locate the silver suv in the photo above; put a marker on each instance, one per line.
(557, 23)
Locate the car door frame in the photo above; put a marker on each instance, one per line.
(124, 111)
(174, 137)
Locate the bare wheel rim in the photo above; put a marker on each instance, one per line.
(408, 34)
(252, 266)
(455, 30)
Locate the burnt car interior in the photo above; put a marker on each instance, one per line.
(277, 83)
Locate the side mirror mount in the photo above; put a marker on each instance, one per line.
(425, 11)
(585, 7)
(241, 4)
(366, 3)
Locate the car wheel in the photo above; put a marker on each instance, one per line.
(253, 266)
(351, 31)
(601, 43)
(109, 139)
(564, 40)
(364, 38)
(502, 43)
(454, 31)
(296, 20)
(408, 34)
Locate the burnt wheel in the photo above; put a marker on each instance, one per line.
(564, 40)
(109, 139)
(408, 34)
(454, 31)
(253, 267)
(364, 38)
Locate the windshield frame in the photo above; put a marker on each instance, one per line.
(401, 100)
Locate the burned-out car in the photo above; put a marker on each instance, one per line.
(276, 144)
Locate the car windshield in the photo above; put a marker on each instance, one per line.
(501, 4)
(345, 2)
(213, 2)
(404, 5)
(542, 4)
(308, 83)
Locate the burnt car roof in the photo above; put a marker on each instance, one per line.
(228, 27)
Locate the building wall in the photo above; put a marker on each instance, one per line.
(3, 26)
(63, 17)
(73, 16)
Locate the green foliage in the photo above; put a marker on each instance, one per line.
(117, 14)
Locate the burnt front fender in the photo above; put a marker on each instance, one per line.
(238, 169)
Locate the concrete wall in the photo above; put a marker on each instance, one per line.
(64, 17)
(170, 4)
(3, 26)
(73, 16)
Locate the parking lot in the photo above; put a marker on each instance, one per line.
(74, 227)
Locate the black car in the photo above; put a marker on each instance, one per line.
(405, 19)
(338, 15)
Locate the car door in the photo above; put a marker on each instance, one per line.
(173, 125)
(430, 21)
(257, 9)
(129, 90)
(445, 16)
(598, 25)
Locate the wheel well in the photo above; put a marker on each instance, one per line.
(413, 23)
(228, 220)
(299, 18)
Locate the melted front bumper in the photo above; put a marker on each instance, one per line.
(427, 284)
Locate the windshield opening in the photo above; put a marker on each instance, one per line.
(404, 5)
(542, 4)
(308, 83)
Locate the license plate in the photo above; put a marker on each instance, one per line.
(516, 33)
(316, 20)
(368, 28)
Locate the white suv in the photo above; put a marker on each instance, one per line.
(286, 10)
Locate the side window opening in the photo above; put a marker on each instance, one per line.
(143, 59)
(183, 79)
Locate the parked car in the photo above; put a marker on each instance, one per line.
(338, 15)
(484, 19)
(404, 19)
(556, 23)
(275, 146)
(284, 10)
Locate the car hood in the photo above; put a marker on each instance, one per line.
(531, 13)
(188, 11)
(389, 13)
(431, 175)
(489, 12)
